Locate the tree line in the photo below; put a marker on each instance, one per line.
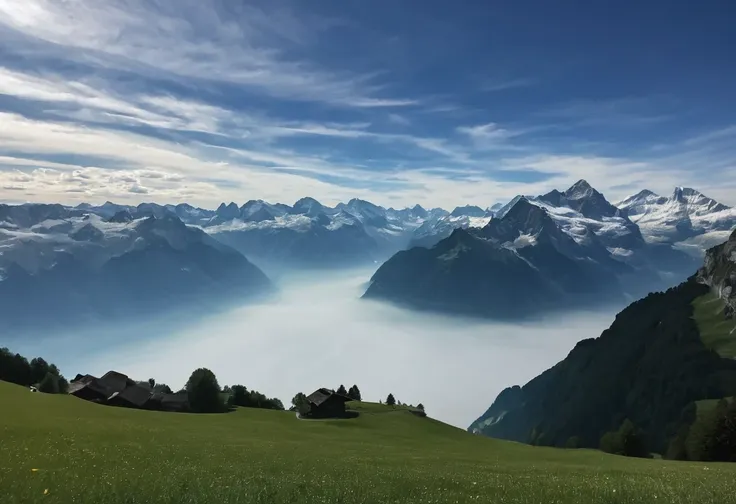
(202, 388)
(206, 396)
(15, 368)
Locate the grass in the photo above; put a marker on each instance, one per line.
(716, 331)
(707, 405)
(59, 449)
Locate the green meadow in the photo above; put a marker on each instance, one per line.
(60, 449)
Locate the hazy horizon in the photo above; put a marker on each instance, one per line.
(319, 333)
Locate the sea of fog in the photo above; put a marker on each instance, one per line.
(319, 333)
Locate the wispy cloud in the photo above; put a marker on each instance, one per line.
(494, 85)
(211, 101)
(209, 41)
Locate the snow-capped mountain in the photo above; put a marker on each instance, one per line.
(310, 234)
(573, 246)
(78, 264)
(441, 225)
(688, 219)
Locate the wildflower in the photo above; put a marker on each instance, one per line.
(34, 470)
(46, 492)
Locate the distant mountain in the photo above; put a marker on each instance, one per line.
(310, 234)
(65, 265)
(649, 367)
(687, 218)
(574, 246)
(439, 225)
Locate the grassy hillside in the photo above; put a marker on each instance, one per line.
(717, 332)
(61, 449)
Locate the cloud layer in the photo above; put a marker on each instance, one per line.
(319, 334)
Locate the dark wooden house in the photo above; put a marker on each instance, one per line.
(326, 403)
(178, 402)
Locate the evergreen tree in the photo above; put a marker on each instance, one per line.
(354, 393)
(341, 390)
(420, 406)
(390, 400)
(151, 383)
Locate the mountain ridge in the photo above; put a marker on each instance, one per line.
(650, 366)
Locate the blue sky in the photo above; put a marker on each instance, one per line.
(433, 102)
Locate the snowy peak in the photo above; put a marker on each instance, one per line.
(687, 217)
(696, 202)
(580, 189)
(524, 218)
(469, 210)
(230, 211)
(636, 203)
(419, 211)
(308, 206)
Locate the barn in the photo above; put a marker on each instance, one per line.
(326, 403)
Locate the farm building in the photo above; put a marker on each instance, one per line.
(116, 389)
(326, 403)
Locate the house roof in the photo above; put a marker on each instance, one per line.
(91, 383)
(133, 394)
(115, 382)
(321, 395)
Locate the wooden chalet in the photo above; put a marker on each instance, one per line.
(326, 403)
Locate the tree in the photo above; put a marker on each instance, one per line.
(611, 443)
(39, 370)
(63, 385)
(203, 392)
(239, 394)
(712, 436)
(572, 442)
(49, 384)
(627, 440)
(151, 383)
(634, 444)
(420, 406)
(390, 400)
(162, 388)
(301, 403)
(341, 390)
(354, 393)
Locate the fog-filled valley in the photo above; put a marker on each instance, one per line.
(317, 332)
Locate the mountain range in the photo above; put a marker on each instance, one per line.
(542, 253)
(63, 265)
(660, 358)
(533, 254)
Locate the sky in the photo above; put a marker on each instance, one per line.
(434, 102)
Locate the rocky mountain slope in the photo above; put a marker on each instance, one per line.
(440, 225)
(649, 366)
(574, 246)
(61, 264)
